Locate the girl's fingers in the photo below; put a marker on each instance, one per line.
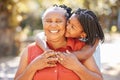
(60, 57)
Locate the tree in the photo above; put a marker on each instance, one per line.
(9, 20)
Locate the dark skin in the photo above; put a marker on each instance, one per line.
(86, 52)
(87, 70)
(83, 54)
(74, 30)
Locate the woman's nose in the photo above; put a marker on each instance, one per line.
(53, 24)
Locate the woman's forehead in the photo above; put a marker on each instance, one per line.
(53, 10)
(56, 9)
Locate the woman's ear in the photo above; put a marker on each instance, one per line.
(83, 35)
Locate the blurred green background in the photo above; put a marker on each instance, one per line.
(20, 21)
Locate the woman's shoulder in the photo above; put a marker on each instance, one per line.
(31, 44)
(33, 51)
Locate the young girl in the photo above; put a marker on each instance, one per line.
(83, 25)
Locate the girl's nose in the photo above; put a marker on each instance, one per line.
(68, 26)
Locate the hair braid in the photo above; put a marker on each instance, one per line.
(90, 25)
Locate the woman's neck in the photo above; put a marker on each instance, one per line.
(57, 44)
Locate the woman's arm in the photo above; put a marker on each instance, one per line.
(23, 69)
(40, 62)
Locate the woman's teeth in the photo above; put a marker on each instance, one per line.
(54, 31)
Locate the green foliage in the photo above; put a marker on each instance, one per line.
(23, 8)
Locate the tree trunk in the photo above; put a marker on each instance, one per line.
(7, 43)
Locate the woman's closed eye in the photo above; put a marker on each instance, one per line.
(48, 21)
(59, 21)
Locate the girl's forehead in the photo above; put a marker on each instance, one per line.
(73, 16)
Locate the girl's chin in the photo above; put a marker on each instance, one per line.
(66, 36)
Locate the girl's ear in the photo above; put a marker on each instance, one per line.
(83, 35)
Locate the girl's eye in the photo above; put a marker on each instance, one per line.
(72, 26)
(68, 22)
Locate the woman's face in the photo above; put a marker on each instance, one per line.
(54, 22)
(74, 28)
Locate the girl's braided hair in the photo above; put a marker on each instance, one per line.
(91, 25)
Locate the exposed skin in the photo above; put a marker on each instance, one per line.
(38, 63)
(86, 70)
(74, 30)
(86, 52)
(56, 32)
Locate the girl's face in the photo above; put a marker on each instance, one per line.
(74, 28)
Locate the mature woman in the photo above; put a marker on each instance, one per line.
(49, 65)
(83, 25)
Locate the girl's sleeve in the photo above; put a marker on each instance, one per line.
(78, 45)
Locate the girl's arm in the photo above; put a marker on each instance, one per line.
(41, 41)
(87, 51)
(86, 70)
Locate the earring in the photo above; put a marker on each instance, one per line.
(83, 39)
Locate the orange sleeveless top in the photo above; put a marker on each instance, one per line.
(55, 73)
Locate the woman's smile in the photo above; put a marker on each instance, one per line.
(54, 31)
